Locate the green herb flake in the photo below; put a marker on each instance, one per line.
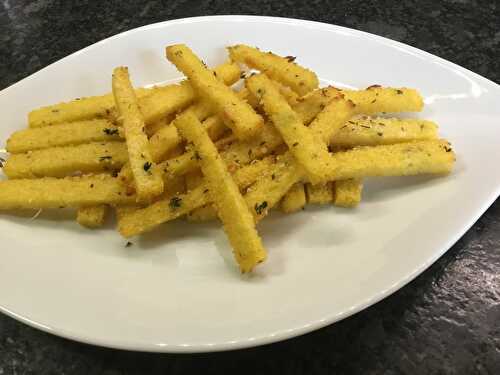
(175, 202)
(259, 208)
(109, 131)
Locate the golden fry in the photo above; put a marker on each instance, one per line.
(273, 185)
(237, 154)
(194, 179)
(168, 100)
(77, 110)
(347, 193)
(137, 221)
(320, 193)
(52, 192)
(92, 216)
(241, 153)
(369, 101)
(156, 126)
(165, 101)
(290, 96)
(377, 99)
(281, 69)
(147, 177)
(310, 151)
(67, 134)
(204, 213)
(173, 98)
(231, 207)
(63, 161)
(237, 114)
(310, 105)
(145, 219)
(295, 199)
(164, 141)
(402, 159)
(366, 131)
(331, 119)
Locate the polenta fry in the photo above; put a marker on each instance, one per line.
(206, 212)
(165, 141)
(241, 153)
(271, 187)
(103, 106)
(237, 154)
(92, 216)
(77, 110)
(147, 177)
(63, 161)
(310, 105)
(295, 199)
(281, 69)
(142, 220)
(170, 99)
(347, 193)
(402, 159)
(231, 208)
(310, 151)
(369, 101)
(320, 193)
(49, 192)
(165, 101)
(156, 126)
(368, 131)
(237, 114)
(330, 120)
(376, 99)
(68, 134)
(137, 221)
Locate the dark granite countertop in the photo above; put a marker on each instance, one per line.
(447, 321)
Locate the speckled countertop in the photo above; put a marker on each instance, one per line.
(447, 321)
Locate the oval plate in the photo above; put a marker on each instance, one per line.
(177, 289)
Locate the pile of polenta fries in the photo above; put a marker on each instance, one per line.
(204, 150)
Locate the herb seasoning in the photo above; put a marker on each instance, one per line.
(109, 131)
(147, 166)
(259, 208)
(175, 202)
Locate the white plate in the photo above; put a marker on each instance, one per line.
(177, 289)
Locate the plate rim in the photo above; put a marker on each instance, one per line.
(313, 325)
